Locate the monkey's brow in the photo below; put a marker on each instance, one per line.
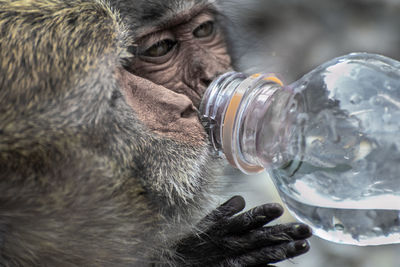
(176, 19)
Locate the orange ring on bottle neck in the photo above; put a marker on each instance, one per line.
(273, 79)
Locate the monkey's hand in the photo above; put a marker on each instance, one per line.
(242, 240)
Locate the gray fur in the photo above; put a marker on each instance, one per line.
(82, 181)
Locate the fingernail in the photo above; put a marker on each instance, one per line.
(237, 202)
(275, 210)
(302, 230)
(300, 245)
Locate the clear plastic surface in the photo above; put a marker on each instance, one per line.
(330, 142)
(344, 176)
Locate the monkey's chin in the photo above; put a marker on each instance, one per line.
(178, 174)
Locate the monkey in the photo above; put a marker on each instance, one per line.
(103, 158)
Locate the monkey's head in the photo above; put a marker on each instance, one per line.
(119, 84)
(178, 48)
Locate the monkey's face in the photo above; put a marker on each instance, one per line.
(181, 56)
(178, 49)
(184, 58)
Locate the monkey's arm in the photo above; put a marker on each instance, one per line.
(242, 240)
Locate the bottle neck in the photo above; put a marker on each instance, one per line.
(233, 110)
(214, 104)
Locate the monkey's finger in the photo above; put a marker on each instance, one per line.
(295, 231)
(273, 254)
(254, 218)
(268, 236)
(226, 210)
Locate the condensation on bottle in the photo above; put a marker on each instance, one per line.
(330, 142)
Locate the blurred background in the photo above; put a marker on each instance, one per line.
(290, 38)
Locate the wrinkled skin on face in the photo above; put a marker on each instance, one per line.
(181, 61)
(184, 58)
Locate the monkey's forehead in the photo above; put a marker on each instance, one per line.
(144, 16)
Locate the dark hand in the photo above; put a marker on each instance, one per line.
(242, 240)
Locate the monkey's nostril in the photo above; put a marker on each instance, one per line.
(206, 82)
(188, 112)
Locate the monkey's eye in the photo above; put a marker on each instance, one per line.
(204, 30)
(160, 48)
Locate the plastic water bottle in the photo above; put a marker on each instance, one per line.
(330, 142)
